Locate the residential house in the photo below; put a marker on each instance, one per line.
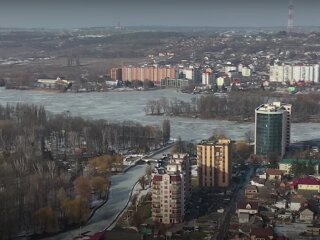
(296, 202)
(261, 234)
(251, 191)
(286, 164)
(306, 183)
(274, 174)
(246, 210)
(306, 215)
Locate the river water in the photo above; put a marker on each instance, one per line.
(121, 106)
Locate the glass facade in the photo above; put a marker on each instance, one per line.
(269, 133)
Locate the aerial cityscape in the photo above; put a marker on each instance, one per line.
(160, 120)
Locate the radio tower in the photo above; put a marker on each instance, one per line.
(290, 17)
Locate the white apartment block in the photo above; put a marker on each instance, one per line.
(168, 201)
(294, 73)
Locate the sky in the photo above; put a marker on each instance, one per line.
(102, 13)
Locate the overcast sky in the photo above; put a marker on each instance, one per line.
(99, 13)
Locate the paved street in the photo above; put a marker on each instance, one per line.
(238, 196)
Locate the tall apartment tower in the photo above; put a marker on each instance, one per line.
(272, 129)
(181, 163)
(168, 200)
(213, 159)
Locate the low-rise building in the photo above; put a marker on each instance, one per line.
(251, 191)
(296, 202)
(261, 234)
(306, 183)
(274, 174)
(286, 164)
(306, 215)
(246, 210)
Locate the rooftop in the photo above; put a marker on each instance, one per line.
(306, 181)
(271, 171)
(273, 107)
(247, 205)
(262, 232)
(292, 160)
(215, 142)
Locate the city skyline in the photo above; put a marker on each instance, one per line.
(98, 13)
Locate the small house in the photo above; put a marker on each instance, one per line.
(261, 234)
(306, 215)
(274, 174)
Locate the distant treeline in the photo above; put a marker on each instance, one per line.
(236, 106)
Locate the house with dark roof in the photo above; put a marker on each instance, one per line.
(246, 210)
(261, 234)
(274, 174)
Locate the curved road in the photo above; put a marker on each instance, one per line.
(120, 190)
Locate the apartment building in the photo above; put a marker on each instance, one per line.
(168, 200)
(171, 187)
(214, 163)
(152, 73)
(294, 73)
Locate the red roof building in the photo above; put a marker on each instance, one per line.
(261, 233)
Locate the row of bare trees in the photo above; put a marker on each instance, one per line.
(235, 106)
(38, 194)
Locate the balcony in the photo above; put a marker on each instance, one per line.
(156, 215)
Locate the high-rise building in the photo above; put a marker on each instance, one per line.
(171, 187)
(152, 73)
(116, 74)
(207, 77)
(181, 163)
(294, 73)
(168, 203)
(272, 129)
(213, 159)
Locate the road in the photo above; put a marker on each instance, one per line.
(237, 196)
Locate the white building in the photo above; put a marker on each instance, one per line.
(246, 71)
(229, 67)
(207, 77)
(294, 73)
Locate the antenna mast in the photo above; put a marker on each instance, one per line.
(290, 17)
